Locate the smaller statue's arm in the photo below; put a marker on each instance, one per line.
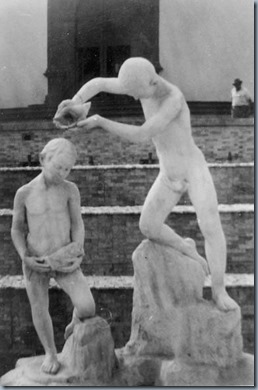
(18, 230)
(73, 252)
(65, 255)
(74, 249)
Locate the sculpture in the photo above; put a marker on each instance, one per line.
(177, 338)
(48, 234)
(182, 164)
(69, 120)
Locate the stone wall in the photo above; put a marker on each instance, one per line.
(129, 184)
(217, 137)
(111, 236)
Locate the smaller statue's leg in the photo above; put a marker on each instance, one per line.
(75, 284)
(71, 325)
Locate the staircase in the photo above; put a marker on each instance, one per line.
(112, 196)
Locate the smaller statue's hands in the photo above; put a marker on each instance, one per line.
(70, 113)
(37, 263)
(90, 123)
(71, 266)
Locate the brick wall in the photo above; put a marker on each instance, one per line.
(111, 238)
(119, 186)
(216, 138)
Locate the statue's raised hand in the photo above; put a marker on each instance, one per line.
(69, 113)
(89, 123)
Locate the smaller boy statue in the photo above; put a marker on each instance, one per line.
(48, 234)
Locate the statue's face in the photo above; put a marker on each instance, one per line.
(143, 90)
(137, 78)
(139, 88)
(56, 168)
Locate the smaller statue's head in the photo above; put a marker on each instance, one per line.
(138, 77)
(57, 158)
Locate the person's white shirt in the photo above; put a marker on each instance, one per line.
(240, 97)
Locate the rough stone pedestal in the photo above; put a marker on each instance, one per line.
(183, 338)
(88, 357)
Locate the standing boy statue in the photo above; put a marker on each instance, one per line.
(48, 234)
(182, 164)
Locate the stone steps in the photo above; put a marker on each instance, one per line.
(128, 185)
(112, 234)
(126, 282)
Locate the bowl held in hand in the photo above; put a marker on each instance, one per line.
(69, 113)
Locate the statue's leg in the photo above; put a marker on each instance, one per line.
(204, 198)
(37, 291)
(162, 197)
(75, 284)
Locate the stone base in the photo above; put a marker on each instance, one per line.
(88, 357)
(170, 318)
(155, 371)
(28, 373)
(137, 371)
(181, 373)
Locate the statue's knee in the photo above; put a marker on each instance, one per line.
(91, 309)
(144, 228)
(148, 228)
(86, 309)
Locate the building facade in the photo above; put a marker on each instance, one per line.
(52, 46)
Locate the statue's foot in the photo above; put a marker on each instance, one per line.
(224, 302)
(70, 327)
(195, 255)
(50, 364)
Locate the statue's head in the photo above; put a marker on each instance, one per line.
(138, 77)
(59, 149)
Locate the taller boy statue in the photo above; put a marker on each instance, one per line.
(182, 164)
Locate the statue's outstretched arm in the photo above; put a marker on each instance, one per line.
(95, 86)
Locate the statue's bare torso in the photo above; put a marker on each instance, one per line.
(48, 217)
(175, 146)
